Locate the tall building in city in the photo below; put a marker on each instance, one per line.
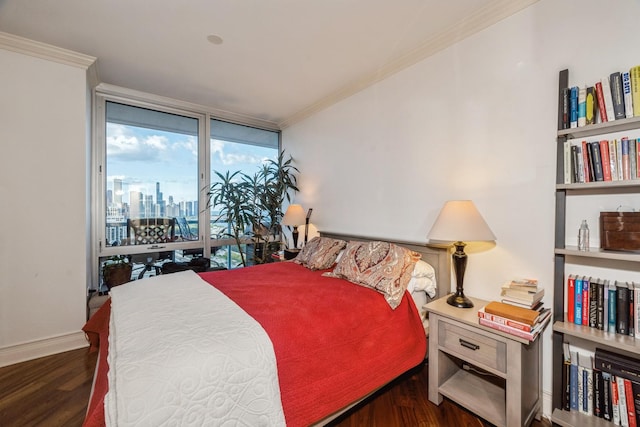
(117, 191)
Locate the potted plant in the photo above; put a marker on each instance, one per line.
(116, 270)
(252, 205)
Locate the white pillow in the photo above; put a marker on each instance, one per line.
(423, 278)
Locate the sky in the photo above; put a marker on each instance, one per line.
(141, 157)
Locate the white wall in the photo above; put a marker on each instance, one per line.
(475, 121)
(43, 198)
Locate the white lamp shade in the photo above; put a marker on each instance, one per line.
(460, 221)
(294, 215)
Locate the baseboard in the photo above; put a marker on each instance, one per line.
(547, 404)
(40, 348)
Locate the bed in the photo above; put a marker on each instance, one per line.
(275, 344)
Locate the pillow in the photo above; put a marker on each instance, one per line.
(382, 266)
(423, 278)
(320, 253)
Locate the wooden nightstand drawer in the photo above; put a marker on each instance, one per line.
(473, 347)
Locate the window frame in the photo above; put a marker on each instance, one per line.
(106, 93)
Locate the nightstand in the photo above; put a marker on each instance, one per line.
(491, 373)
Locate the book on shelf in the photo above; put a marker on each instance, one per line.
(602, 109)
(619, 150)
(590, 106)
(597, 160)
(622, 402)
(585, 383)
(607, 410)
(600, 304)
(633, 159)
(636, 306)
(593, 303)
(626, 169)
(608, 100)
(615, 401)
(586, 284)
(634, 75)
(531, 336)
(622, 308)
(617, 96)
(617, 364)
(566, 373)
(573, 381)
(573, 107)
(582, 106)
(612, 308)
(613, 159)
(586, 165)
(571, 293)
(567, 162)
(628, 96)
(606, 160)
(630, 402)
(578, 301)
(563, 100)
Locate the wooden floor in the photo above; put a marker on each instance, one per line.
(54, 390)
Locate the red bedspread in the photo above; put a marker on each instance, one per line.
(334, 341)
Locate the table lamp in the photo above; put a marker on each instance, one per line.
(459, 221)
(294, 216)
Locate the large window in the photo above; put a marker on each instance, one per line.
(154, 165)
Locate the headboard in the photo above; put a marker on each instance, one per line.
(439, 258)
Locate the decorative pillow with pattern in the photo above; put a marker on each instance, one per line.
(320, 253)
(383, 266)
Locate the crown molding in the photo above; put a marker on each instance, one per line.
(242, 119)
(45, 51)
(484, 18)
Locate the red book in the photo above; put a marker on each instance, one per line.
(571, 292)
(504, 321)
(601, 107)
(585, 301)
(606, 160)
(508, 329)
(631, 409)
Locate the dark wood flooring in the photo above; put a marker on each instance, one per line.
(54, 391)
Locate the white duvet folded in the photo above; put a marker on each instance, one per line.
(182, 353)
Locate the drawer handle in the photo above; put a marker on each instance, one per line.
(469, 345)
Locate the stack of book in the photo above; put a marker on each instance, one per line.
(522, 293)
(518, 321)
(602, 384)
(608, 305)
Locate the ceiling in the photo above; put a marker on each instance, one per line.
(279, 60)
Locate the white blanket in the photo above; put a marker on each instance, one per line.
(183, 354)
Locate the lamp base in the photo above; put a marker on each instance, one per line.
(291, 253)
(459, 300)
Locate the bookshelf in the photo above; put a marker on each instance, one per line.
(563, 330)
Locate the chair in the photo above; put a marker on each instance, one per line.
(187, 235)
(150, 231)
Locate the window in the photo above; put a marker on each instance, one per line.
(153, 168)
(236, 148)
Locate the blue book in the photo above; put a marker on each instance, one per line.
(578, 302)
(573, 382)
(573, 107)
(612, 308)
